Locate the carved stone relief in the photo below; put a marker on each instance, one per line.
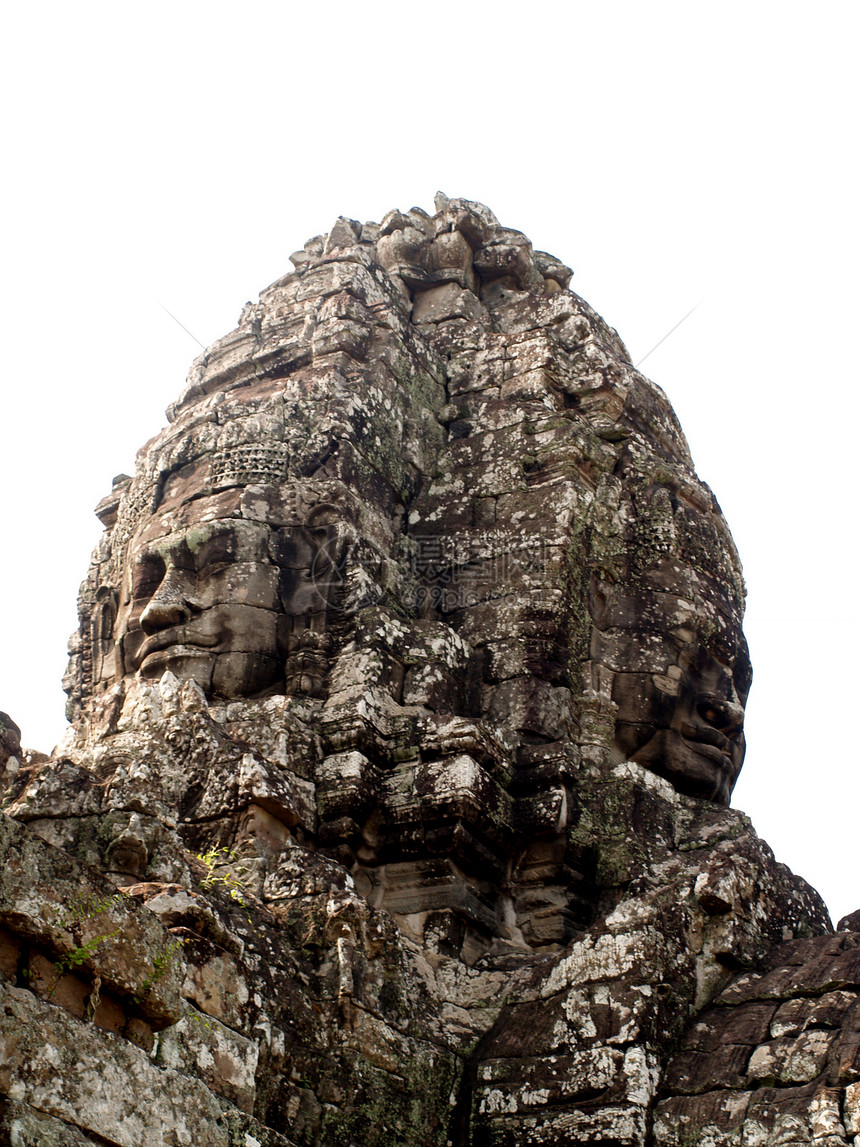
(418, 624)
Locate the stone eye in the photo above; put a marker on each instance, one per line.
(211, 569)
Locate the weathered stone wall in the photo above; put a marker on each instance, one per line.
(407, 703)
(776, 1059)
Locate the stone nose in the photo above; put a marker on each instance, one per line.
(725, 715)
(168, 606)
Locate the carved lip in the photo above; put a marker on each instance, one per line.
(176, 638)
(168, 653)
(709, 742)
(706, 735)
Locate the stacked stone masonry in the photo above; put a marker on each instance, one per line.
(406, 706)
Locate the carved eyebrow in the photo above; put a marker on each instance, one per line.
(152, 560)
(210, 554)
(146, 557)
(174, 548)
(241, 546)
(160, 549)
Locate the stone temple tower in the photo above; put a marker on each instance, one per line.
(407, 703)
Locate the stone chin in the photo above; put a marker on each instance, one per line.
(697, 768)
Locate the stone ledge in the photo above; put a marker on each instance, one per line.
(99, 1082)
(24, 1126)
(49, 897)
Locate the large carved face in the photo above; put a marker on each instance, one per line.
(236, 605)
(681, 677)
(202, 602)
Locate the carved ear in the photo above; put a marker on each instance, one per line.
(323, 514)
(102, 625)
(743, 673)
(599, 595)
(331, 530)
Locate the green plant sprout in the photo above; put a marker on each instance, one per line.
(85, 908)
(160, 966)
(198, 1018)
(78, 956)
(215, 858)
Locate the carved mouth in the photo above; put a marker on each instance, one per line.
(176, 642)
(707, 741)
(159, 659)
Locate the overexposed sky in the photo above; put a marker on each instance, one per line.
(172, 155)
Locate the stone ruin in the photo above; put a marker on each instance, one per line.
(406, 706)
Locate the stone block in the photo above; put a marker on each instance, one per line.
(286, 797)
(519, 1085)
(448, 301)
(604, 958)
(441, 802)
(693, 1072)
(66, 790)
(51, 982)
(712, 1119)
(47, 896)
(845, 1058)
(347, 785)
(769, 1105)
(97, 1082)
(749, 1025)
(618, 1126)
(532, 706)
(428, 886)
(216, 983)
(10, 953)
(788, 1060)
(23, 1126)
(851, 1109)
(201, 1046)
(827, 1011)
(531, 386)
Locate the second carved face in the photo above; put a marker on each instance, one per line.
(681, 676)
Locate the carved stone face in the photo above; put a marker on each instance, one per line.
(681, 679)
(694, 735)
(222, 602)
(202, 602)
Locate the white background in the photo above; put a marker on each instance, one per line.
(173, 155)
